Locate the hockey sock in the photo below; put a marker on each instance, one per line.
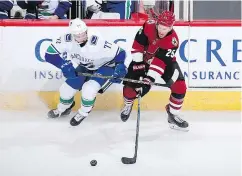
(64, 104)
(86, 106)
(175, 104)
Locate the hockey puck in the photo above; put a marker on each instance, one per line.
(93, 163)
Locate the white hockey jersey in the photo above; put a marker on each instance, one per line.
(94, 54)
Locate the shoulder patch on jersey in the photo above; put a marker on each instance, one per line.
(68, 38)
(94, 39)
(174, 41)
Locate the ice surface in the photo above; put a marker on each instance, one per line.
(33, 145)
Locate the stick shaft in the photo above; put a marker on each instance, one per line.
(123, 79)
(137, 128)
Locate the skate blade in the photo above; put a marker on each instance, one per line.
(174, 127)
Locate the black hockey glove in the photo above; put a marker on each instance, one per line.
(136, 70)
(146, 87)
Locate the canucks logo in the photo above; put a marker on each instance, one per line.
(94, 39)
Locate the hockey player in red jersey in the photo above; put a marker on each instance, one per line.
(153, 53)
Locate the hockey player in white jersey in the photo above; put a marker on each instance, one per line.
(88, 54)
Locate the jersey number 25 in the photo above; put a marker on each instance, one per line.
(170, 53)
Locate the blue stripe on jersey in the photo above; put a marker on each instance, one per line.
(120, 58)
(54, 59)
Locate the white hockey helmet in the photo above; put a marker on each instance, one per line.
(77, 26)
(78, 29)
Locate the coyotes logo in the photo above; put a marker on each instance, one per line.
(174, 41)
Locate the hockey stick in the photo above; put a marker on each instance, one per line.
(123, 79)
(126, 160)
(174, 78)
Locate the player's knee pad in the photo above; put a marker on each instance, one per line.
(179, 87)
(66, 96)
(67, 92)
(89, 92)
(90, 89)
(129, 92)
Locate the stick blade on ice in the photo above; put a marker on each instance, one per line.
(126, 160)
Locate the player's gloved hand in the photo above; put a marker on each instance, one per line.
(145, 88)
(136, 71)
(68, 70)
(119, 72)
(137, 68)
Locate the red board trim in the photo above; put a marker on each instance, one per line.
(104, 23)
(216, 23)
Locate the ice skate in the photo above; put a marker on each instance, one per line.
(175, 122)
(77, 119)
(54, 113)
(125, 112)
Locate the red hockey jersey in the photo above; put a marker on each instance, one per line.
(158, 52)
